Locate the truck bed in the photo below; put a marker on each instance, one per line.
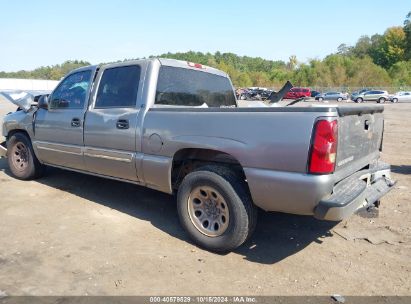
(271, 144)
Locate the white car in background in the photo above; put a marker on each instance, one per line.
(401, 97)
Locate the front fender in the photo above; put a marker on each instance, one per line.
(18, 120)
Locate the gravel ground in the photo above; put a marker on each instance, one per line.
(73, 234)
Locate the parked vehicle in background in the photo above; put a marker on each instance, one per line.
(266, 94)
(256, 93)
(356, 93)
(315, 93)
(241, 94)
(374, 95)
(401, 97)
(295, 93)
(338, 96)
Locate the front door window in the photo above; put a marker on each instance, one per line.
(72, 91)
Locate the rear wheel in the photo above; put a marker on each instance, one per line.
(215, 208)
(22, 161)
(394, 100)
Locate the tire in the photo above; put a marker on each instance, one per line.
(359, 99)
(22, 161)
(231, 206)
(394, 100)
(339, 99)
(320, 99)
(381, 100)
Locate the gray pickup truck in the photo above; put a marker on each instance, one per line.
(176, 127)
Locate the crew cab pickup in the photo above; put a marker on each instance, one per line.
(176, 127)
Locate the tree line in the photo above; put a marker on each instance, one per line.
(380, 60)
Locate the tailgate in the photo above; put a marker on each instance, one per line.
(360, 132)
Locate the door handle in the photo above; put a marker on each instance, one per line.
(75, 122)
(122, 124)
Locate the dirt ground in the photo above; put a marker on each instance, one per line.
(73, 234)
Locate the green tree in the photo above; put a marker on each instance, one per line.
(367, 73)
(400, 73)
(407, 31)
(292, 62)
(243, 80)
(362, 47)
(344, 49)
(389, 48)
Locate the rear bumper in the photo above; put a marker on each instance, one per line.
(3, 150)
(358, 191)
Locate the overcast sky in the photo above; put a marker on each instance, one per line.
(36, 33)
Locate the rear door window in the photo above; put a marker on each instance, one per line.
(186, 87)
(118, 87)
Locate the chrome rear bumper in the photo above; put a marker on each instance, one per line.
(355, 193)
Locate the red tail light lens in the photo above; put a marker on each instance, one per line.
(324, 147)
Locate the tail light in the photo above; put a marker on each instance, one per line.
(324, 147)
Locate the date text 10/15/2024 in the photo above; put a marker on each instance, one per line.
(203, 299)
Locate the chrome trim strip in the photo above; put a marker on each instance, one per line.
(91, 152)
(57, 150)
(126, 160)
(109, 154)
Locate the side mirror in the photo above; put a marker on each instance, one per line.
(43, 102)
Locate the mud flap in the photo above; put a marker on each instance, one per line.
(3, 150)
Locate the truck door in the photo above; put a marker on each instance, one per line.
(58, 131)
(111, 132)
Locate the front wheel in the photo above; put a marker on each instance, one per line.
(320, 99)
(339, 99)
(23, 163)
(359, 100)
(394, 100)
(215, 208)
(381, 100)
